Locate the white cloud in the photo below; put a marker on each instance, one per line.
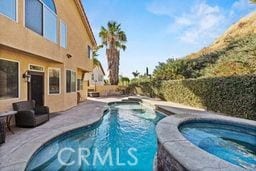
(191, 21)
(242, 5)
(197, 22)
(201, 22)
(183, 21)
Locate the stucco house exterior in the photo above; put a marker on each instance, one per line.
(96, 77)
(45, 51)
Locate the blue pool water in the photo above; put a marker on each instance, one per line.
(126, 138)
(233, 143)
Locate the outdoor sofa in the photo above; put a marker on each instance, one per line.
(2, 131)
(30, 115)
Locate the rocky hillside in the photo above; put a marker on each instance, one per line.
(233, 53)
(245, 27)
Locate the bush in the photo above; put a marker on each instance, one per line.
(235, 95)
(237, 57)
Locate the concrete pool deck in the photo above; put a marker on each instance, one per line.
(19, 147)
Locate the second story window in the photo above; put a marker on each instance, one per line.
(89, 52)
(63, 34)
(41, 17)
(8, 8)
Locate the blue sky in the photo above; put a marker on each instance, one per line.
(162, 29)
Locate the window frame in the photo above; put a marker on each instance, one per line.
(89, 52)
(34, 69)
(80, 87)
(14, 98)
(66, 34)
(43, 21)
(53, 68)
(16, 12)
(71, 81)
(52, 12)
(93, 77)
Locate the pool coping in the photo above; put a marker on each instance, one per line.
(174, 147)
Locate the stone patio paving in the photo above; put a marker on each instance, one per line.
(19, 147)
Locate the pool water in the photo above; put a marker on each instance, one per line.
(124, 140)
(233, 143)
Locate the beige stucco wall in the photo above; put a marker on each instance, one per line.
(55, 102)
(16, 35)
(108, 90)
(21, 44)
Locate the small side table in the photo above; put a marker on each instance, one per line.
(8, 116)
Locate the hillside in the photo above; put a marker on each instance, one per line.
(233, 53)
(244, 27)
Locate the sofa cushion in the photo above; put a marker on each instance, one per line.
(2, 130)
(41, 118)
(24, 105)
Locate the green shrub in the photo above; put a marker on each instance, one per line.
(235, 96)
(238, 57)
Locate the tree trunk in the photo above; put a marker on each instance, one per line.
(113, 65)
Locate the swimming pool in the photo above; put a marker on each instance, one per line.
(234, 143)
(125, 139)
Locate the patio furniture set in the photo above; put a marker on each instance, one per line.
(27, 114)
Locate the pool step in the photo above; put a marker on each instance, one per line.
(46, 157)
(56, 165)
(135, 99)
(75, 166)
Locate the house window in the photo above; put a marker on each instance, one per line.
(50, 25)
(63, 34)
(8, 8)
(70, 81)
(41, 17)
(50, 4)
(9, 76)
(79, 84)
(54, 81)
(100, 78)
(92, 77)
(89, 52)
(34, 15)
(36, 68)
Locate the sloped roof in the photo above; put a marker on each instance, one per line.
(100, 68)
(85, 21)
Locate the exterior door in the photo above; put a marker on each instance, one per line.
(36, 88)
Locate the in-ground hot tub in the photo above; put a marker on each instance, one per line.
(235, 143)
(206, 142)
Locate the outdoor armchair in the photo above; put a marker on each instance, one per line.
(2, 131)
(30, 115)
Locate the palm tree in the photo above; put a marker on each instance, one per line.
(114, 39)
(95, 54)
(96, 62)
(135, 74)
(253, 1)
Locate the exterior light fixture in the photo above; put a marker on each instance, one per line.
(27, 77)
(69, 56)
